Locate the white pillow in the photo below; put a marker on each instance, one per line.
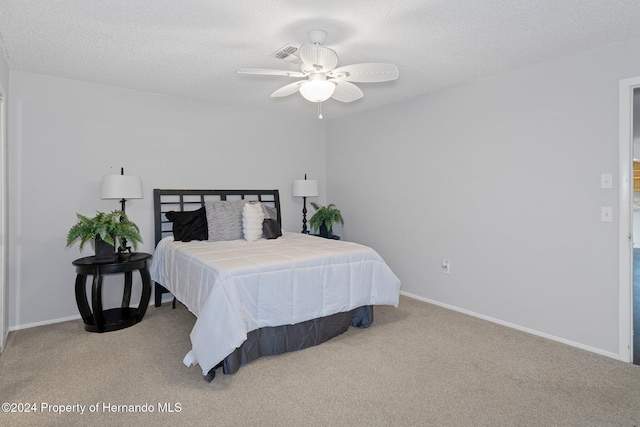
(252, 217)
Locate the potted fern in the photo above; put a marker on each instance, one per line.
(104, 229)
(324, 218)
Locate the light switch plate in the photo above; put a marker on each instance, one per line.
(606, 180)
(606, 214)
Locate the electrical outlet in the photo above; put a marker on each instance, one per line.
(446, 267)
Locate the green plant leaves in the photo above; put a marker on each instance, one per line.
(109, 226)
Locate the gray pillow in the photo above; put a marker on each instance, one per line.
(224, 219)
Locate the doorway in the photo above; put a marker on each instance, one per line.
(627, 89)
(635, 298)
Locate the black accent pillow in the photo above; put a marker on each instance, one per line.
(271, 229)
(189, 225)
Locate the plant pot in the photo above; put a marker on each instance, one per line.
(104, 251)
(324, 231)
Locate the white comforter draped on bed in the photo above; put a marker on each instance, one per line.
(234, 287)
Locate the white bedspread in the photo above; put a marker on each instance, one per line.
(234, 287)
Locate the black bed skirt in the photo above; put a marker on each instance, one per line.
(282, 339)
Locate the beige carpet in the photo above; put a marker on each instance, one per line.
(418, 365)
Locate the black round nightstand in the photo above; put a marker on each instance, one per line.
(99, 320)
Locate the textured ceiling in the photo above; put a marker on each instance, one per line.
(192, 48)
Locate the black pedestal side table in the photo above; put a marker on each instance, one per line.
(95, 318)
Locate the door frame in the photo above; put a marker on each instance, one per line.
(625, 238)
(4, 240)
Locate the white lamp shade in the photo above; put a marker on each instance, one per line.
(121, 187)
(305, 188)
(317, 89)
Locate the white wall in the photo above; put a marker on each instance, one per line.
(502, 178)
(64, 135)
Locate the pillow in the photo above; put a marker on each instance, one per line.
(271, 228)
(252, 217)
(189, 225)
(224, 219)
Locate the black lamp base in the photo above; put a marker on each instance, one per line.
(304, 216)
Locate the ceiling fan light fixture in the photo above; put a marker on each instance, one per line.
(317, 88)
(323, 80)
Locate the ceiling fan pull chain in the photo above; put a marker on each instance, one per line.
(319, 110)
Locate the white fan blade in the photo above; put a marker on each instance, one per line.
(288, 89)
(366, 73)
(271, 72)
(346, 92)
(318, 57)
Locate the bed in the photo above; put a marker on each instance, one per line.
(255, 296)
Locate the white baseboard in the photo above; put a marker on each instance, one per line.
(43, 323)
(514, 326)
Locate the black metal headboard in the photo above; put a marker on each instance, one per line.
(190, 200)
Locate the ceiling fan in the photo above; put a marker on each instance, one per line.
(322, 79)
